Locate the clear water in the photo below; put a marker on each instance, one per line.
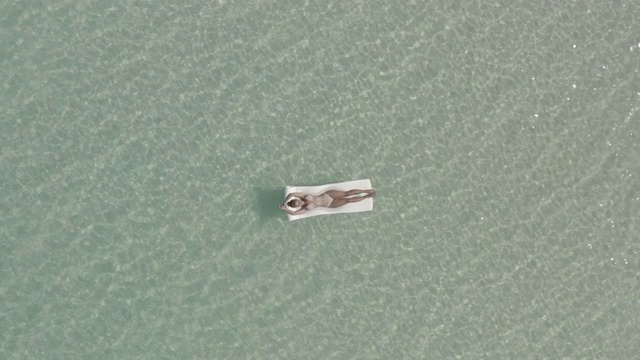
(145, 147)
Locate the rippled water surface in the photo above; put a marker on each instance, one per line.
(144, 148)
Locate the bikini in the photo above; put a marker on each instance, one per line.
(313, 202)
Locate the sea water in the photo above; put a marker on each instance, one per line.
(145, 146)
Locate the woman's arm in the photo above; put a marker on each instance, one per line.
(299, 196)
(302, 210)
(296, 194)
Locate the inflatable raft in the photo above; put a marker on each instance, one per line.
(364, 205)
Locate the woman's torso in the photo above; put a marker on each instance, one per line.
(322, 200)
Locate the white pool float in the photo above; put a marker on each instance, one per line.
(364, 205)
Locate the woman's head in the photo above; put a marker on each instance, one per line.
(294, 203)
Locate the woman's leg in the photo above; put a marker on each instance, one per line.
(337, 194)
(338, 202)
(346, 200)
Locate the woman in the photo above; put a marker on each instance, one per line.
(300, 203)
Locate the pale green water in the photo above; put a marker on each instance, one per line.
(145, 147)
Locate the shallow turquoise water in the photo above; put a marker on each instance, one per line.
(145, 147)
